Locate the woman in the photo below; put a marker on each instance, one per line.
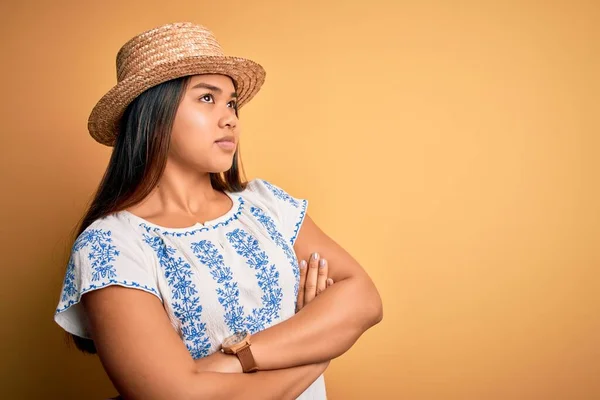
(185, 279)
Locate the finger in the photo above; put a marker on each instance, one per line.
(329, 282)
(322, 276)
(301, 284)
(310, 290)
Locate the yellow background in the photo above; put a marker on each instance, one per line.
(450, 146)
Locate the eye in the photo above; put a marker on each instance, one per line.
(232, 104)
(208, 97)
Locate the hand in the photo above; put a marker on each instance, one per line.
(219, 362)
(313, 280)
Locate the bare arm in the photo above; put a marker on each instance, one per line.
(330, 324)
(145, 358)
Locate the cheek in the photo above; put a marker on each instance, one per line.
(192, 128)
(190, 122)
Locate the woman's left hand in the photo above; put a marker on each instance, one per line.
(313, 280)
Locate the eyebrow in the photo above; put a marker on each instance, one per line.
(211, 87)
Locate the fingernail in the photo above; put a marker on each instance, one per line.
(330, 281)
(315, 256)
(322, 263)
(302, 264)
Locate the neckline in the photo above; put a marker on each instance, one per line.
(233, 211)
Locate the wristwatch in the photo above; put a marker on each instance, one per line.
(239, 344)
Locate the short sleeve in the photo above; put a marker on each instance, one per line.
(103, 255)
(290, 211)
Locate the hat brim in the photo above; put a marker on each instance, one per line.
(103, 123)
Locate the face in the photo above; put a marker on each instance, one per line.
(205, 131)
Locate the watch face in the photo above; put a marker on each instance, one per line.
(234, 339)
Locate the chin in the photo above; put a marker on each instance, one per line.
(217, 168)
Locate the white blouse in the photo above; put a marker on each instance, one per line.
(238, 272)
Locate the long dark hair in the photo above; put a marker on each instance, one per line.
(138, 161)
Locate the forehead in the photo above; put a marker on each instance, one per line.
(223, 82)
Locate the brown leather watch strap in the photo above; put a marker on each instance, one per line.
(247, 359)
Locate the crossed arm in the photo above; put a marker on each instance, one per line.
(331, 323)
(290, 355)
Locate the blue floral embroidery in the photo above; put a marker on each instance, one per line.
(102, 254)
(228, 291)
(296, 203)
(282, 194)
(299, 222)
(186, 302)
(277, 237)
(268, 279)
(69, 286)
(110, 282)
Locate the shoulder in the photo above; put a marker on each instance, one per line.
(114, 231)
(288, 211)
(271, 192)
(108, 252)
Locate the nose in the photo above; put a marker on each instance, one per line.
(229, 120)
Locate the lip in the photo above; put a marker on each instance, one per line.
(226, 143)
(228, 138)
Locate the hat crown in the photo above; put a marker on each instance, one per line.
(165, 44)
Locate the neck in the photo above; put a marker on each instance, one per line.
(181, 192)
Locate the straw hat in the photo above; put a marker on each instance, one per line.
(161, 54)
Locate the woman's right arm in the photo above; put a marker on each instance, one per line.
(146, 359)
